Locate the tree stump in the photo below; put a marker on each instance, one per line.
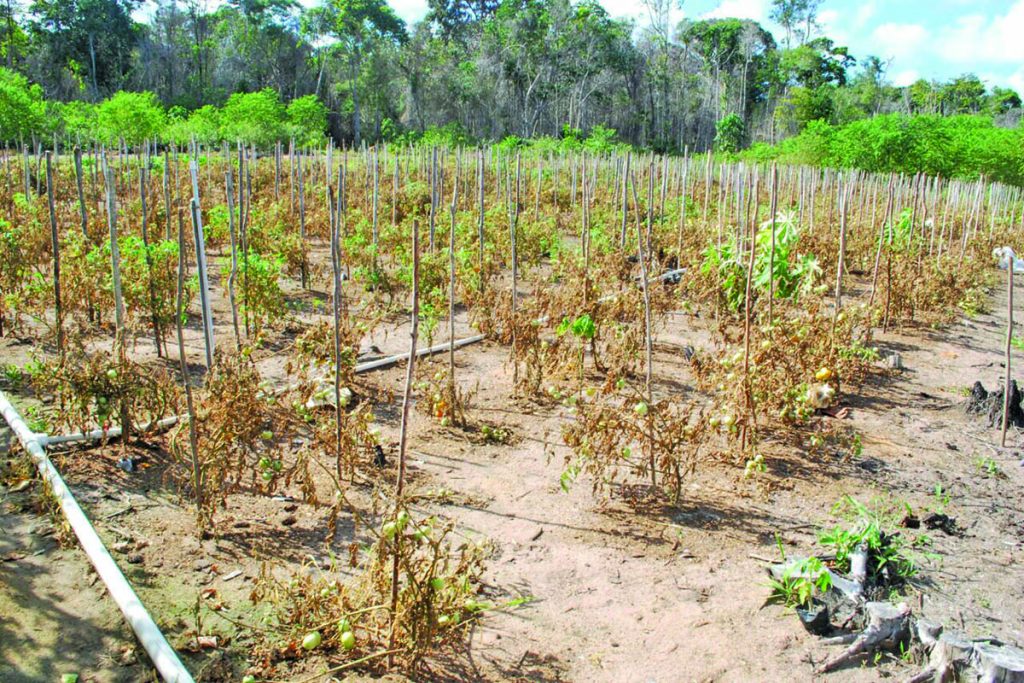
(887, 625)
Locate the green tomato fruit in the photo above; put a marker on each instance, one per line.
(277, 466)
(437, 583)
(264, 463)
(728, 420)
(268, 476)
(266, 435)
(311, 641)
(344, 626)
(348, 640)
(389, 530)
(69, 678)
(249, 679)
(641, 409)
(402, 519)
(346, 397)
(112, 373)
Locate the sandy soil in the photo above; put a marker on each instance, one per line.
(618, 594)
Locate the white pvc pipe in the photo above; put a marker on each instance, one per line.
(100, 434)
(437, 348)
(164, 658)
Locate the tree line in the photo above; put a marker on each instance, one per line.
(471, 70)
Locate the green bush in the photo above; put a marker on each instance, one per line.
(307, 120)
(965, 146)
(254, 118)
(77, 119)
(22, 109)
(132, 116)
(729, 133)
(205, 123)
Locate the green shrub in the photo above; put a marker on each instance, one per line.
(307, 120)
(22, 109)
(132, 116)
(253, 118)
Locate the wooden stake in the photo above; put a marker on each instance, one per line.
(197, 471)
(233, 276)
(404, 433)
(149, 262)
(1009, 345)
(56, 256)
(647, 344)
(204, 284)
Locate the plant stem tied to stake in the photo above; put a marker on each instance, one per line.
(403, 435)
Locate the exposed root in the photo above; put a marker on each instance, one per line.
(887, 625)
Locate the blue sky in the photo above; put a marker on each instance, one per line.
(929, 39)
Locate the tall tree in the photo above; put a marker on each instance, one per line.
(799, 18)
(456, 18)
(99, 34)
(14, 40)
(360, 26)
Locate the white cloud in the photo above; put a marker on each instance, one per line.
(410, 10)
(899, 41)
(624, 9)
(905, 77)
(740, 9)
(864, 13)
(986, 39)
(1016, 80)
(832, 24)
